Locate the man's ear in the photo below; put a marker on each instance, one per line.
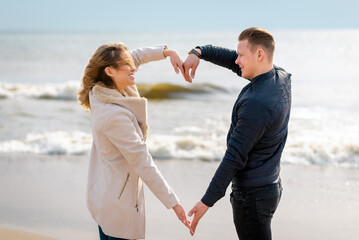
(260, 54)
(108, 72)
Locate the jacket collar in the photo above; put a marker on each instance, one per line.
(132, 102)
(266, 75)
(258, 79)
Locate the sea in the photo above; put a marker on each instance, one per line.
(41, 72)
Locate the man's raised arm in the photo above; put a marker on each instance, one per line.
(220, 56)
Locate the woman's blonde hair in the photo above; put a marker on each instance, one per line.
(106, 55)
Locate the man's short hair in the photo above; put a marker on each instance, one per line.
(259, 37)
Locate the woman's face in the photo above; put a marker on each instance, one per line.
(123, 74)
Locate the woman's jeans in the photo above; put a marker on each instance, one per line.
(253, 209)
(105, 237)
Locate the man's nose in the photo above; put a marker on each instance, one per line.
(237, 61)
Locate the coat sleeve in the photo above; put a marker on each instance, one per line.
(147, 54)
(221, 56)
(254, 118)
(122, 133)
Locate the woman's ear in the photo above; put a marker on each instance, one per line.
(108, 72)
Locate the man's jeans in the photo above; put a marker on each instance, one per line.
(253, 209)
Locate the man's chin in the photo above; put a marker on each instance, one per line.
(244, 76)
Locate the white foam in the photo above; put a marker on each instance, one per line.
(52, 143)
(65, 91)
(321, 137)
(315, 138)
(209, 148)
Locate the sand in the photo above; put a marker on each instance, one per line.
(45, 195)
(317, 203)
(7, 234)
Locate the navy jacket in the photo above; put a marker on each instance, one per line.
(258, 131)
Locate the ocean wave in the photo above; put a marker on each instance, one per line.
(330, 149)
(168, 90)
(345, 155)
(188, 147)
(79, 143)
(52, 143)
(68, 91)
(323, 136)
(299, 150)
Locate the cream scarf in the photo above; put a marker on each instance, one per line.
(131, 101)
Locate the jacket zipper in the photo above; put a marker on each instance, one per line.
(123, 188)
(137, 195)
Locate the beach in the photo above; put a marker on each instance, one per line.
(45, 136)
(45, 195)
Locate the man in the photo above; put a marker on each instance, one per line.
(256, 137)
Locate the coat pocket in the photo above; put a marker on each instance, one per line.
(124, 185)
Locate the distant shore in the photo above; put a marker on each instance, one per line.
(317, 202)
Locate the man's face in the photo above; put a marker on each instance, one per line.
(247, 59)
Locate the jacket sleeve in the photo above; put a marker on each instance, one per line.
(253, 121)
(221, 56)
(123, 135)
(147, 54)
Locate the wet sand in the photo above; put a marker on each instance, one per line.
(45, 195)
(7, 234)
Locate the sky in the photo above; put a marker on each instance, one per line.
(142, 15)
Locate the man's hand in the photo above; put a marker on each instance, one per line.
(198, 210)
(181, 214)
(176, 61)
(192, 63)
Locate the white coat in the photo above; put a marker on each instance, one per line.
(120, 159)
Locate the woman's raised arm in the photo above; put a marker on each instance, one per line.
(176, 61)
(149, 54)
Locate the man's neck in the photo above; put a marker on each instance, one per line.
(264, 69)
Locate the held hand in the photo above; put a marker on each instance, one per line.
(198, 210)
(181, 214)
(192, 63)
(176, 61)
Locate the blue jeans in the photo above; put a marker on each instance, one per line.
(105, 237)
(253, 209)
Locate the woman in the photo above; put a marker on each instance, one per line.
(119, 159)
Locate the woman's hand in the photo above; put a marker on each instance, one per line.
(176, 61)
(181, 214)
